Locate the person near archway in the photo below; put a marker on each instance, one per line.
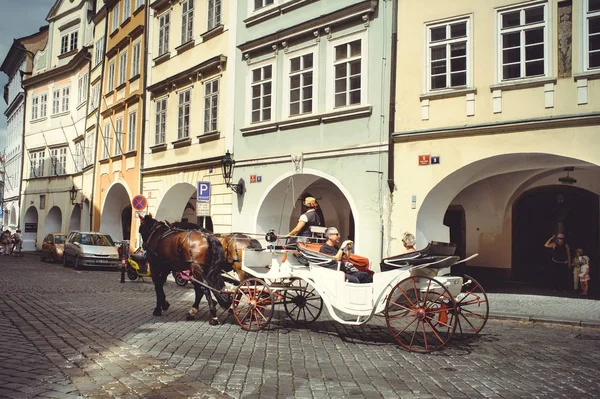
(307, 219)
(408, 240)
(561, 261)
(329, 247)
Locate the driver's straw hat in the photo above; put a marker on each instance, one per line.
(310, 201)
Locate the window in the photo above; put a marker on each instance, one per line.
(138, 3)
(58, 159)
(35, 102)
(348, 78)
(211, 104)
(262, 3)
(79, 156)
(43, 201)
(187, 21)
(132, 127)
(64, 44)
(106, 139)
(37, 159)
(135, 62)
(55, 102)
(122, 68)
(115, 19)
(161, 119)
(90, 145)
(448, 44)
(183, 126)
(522, 42)
(95, 97)
(43, 105)
(163, 33)
(214, 13)
(68, 42)
(126, 9)
(65, 99)
(261, 89)
(592, 35)
(301, 84)
(98, 51)
(82, 88)
(111, 77)
(73, 38)
(118, 135)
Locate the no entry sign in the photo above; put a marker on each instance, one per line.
(139, 202)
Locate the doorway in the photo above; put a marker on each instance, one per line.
(456, 222)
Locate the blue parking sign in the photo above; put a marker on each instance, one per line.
(203, 191)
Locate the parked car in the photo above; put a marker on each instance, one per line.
(53, 247)
(90, 249)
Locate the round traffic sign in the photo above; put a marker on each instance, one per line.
(139, 202)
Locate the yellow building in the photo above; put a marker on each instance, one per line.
(121, 105)
(189, 118)
(497, 109)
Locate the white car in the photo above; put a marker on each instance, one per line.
(90, 249)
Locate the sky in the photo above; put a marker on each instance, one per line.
(18, 18)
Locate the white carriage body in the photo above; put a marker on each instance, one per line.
(358, 302)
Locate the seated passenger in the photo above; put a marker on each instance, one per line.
(408, 240)
(330, 248)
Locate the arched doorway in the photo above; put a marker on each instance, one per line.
(543, 211)
(75, 220)
(30, 221)
(115, 205)
(53, 222)
(179, 204)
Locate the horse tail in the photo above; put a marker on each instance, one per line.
(213, 276)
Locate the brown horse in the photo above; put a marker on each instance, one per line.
(233, 245)
(175, 249)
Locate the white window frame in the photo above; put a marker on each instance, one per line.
(118, 136)
(211, 105)
(37, 164)
(79, 156)
(82, 88)
(131, 131)
(99, 51)
(187, 21)
(115, 18)
(139, 3)
(135, 60)
(110, 84)
(64, 43)
(184, 113)
(160, 123)
(58, 161)
(265, 3)
(90, 145)
(35, 102)
(73, 40)
(448, 42)
(126, 9)
(56, 101)
(215, 14)
(164, 27)
(106, 140)
(122, 68)
(95, 97)
(548, 44)
(65, 99)
(43, 105)
(287, 77)
(587, 15)
(330, 73)
(250, 84)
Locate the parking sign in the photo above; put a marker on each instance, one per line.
(203, 191)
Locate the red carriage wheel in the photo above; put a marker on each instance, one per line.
(253, 304)
(472, 309)
(417, 313)
(302, 303)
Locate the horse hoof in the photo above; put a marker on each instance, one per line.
(157, 312)
(189, 317)
(165, 306)
(230, 311)
(214, 322)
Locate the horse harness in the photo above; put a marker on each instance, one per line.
(170, 230)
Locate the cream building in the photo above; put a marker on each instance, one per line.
(497, 102)
(56, 105)
(189, 111)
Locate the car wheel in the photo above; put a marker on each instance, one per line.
(65, 262)
(76, 264)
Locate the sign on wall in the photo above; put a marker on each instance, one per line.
(202, 208)
(203, 191)
(31, 227)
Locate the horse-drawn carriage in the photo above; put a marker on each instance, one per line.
(424, 305)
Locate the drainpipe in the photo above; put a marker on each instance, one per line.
(87, 110)
(144, 94)
(20, 197)
(392, 111)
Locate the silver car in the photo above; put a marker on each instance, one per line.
(90, 249)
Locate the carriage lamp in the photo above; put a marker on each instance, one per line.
(227, 166)
(73, 194)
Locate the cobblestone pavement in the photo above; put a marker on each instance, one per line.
(69, 334)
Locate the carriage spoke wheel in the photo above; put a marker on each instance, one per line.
(472, 309)
(418, 312)
(253, 304)
(302, 303)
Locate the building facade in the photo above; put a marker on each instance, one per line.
(190, 110)
(16, 65)
(56, 104)
(121, 109)
(311, 116)
(497, 128)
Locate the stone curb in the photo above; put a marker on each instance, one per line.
(544, 319)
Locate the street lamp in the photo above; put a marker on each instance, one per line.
(227, 166)
(73, 194)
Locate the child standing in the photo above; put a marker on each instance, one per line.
(584, 275)
(577, 267)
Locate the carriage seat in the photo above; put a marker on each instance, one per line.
(433, 252)
(309, 253)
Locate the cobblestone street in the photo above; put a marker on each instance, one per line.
(68, 333)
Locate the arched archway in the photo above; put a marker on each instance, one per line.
(115, 204)
(30, 221)
(75, 220)
(53, 223)
(179, 204)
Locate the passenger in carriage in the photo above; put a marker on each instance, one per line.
(408, 240)
(307, 220)
(330, 248)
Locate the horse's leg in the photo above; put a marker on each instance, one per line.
(160, 295)
(165, 304)
(198, 293)
(211, 305)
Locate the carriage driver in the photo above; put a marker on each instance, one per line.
(307, 219)
(330, 248)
